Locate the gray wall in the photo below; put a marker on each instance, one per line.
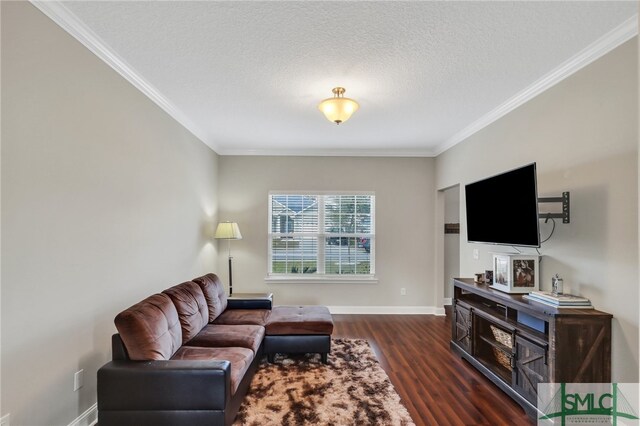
(105, 200)
(583, 135)
(404, 224)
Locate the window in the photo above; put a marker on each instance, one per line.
(322, 235)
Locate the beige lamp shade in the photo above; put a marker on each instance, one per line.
(338, 109)
(228, 231)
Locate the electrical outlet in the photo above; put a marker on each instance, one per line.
(475, 254)
(403, 291)
(4, 420)
(78, 380)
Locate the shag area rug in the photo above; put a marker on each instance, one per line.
(352, 389)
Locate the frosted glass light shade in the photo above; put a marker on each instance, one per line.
(228, 231)
(338, 109)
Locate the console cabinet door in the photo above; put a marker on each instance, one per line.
(462, 330)
(531, 368)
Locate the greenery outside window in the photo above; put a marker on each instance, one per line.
(328, 235)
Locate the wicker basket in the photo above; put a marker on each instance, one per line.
(506, 339)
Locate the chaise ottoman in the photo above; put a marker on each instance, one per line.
(298, 329)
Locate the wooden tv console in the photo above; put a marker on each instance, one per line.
(562, 346)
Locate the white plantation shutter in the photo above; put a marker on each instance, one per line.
(322, 234)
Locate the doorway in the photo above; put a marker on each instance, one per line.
(451, 240)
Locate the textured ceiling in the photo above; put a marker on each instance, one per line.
(249, 75)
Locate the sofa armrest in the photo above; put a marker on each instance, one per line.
(164, 385)
(249, 304)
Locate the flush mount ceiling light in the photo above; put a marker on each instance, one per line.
(338, 109)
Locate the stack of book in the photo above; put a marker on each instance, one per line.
(560, 300)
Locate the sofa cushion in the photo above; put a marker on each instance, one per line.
(240, 359)
(288, 320)
(213, 293)
(191, 306)
(150, 329)
(244, 336)
(244, 317)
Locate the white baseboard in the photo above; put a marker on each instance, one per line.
(446, 301)
(88, 418)
(386, 310)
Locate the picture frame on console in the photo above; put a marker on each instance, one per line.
(515, 273)
(501, 275)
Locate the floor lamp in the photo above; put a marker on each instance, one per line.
(228, 231)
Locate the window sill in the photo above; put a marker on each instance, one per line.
(319, 279)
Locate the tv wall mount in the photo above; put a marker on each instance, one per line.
(566, 211)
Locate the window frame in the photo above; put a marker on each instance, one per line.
(321, 235)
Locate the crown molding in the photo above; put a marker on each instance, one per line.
(62, 16)
(328, 152)
(69, 22)
(605, 44)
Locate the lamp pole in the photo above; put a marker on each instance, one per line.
(230, 268)
(228, 231)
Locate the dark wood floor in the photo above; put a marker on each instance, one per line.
(436, 386)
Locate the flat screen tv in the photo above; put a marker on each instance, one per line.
(503, 209)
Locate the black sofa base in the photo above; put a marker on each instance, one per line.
(161, 417)
(136, 392)
(297, 344)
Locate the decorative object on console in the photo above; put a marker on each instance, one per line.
(338, 109)
(228, 231)
(515, 273)
(488, 276)
(479, 278)
(557, 285)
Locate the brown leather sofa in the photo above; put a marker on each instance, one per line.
(185, 356)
